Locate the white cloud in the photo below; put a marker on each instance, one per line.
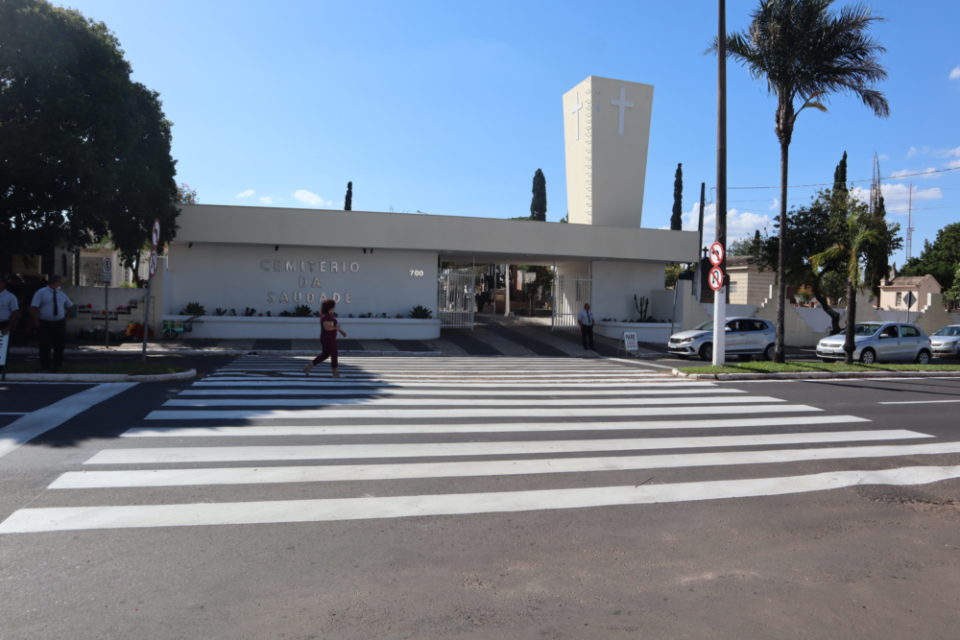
(955, 73)
(740, 224)
(246, 194)
(896, 197)
(954, 164)
(883, 156)
(266, 199)
(775, 205)
(311, 198)
(929, 172)
(949, 153)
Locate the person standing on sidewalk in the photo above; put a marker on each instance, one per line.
(585, 320)
(329, 327)
(9, 309)
(49, 312)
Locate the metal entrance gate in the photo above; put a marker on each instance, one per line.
(569, 296)
(456, 298)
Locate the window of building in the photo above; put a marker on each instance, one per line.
(899, 299)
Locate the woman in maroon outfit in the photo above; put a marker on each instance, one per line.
(329, 327)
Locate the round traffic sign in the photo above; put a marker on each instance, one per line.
(155, 234)
(716, 254)
(153, 263)
(716, 278)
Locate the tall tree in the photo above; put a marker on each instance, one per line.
(85, 150)
(938, 258)
(805, 53)
(348, 199)
(860, 234)
(538, 205)
(676, 219)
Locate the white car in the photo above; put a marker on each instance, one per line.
(744, 337)
(879, 341)
(945, 342)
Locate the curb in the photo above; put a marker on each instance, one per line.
(101, 377)
(231, 352)
(816, 375)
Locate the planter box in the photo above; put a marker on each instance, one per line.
(238, 327)
(653, 332)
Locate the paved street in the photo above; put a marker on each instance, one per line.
(424, 497)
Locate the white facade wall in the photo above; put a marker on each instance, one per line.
(615, 283)
(237, 276)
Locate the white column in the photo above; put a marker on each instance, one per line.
(506, 290)
(719, 326)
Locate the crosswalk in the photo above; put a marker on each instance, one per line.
(259, 421)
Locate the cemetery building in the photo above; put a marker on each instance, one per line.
(248, 261)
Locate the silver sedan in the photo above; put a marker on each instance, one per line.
(880, 341)
(945, 342)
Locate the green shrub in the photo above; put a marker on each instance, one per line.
(301, 311)
(193, 309)
(421, 311)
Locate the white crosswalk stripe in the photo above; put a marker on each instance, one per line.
(463, 419)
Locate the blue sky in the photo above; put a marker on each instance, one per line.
(448, 107)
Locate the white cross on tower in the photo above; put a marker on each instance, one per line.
(621, 104)
(576, 111)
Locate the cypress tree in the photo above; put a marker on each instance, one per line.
(538, 205)
(676, 221)
(348, 199)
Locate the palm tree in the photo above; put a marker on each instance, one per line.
(805, 54)
(860, 237)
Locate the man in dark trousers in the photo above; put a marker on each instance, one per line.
(585, 320)
(49, 312)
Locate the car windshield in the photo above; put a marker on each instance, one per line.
(948, 331)
(705, 326)
(866, 329)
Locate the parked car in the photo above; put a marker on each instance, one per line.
(880, 341)
(744, 337)
(945, 342)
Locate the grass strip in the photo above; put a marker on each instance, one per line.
(799, 367)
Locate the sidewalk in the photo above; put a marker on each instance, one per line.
(491, 336)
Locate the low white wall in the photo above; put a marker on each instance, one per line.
(229, 328)
(654, 332)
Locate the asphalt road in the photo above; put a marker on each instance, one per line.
(787, 559)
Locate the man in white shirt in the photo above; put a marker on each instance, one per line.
(585, 320)
(9, 309)
(49, 312)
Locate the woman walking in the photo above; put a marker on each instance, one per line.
(329, 327)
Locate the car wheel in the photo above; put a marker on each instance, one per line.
(769, 352)
(706, 351)
(868, 356)
(923, 357)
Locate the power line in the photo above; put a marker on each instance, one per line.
(829, 184)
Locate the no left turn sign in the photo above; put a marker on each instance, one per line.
(716, 278)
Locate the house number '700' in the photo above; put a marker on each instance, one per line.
(416, 273)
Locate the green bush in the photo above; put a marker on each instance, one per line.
(301, 311)
(193, 309)
(421, 311)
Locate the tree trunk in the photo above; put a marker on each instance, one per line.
(849, 344)
(782, 253)
(825, 305)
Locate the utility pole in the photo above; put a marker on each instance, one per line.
(720, 296)
(699, 272)
(910, 223)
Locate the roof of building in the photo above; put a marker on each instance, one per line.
(910, 281)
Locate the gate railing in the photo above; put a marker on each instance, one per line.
(569, 296)
(456, 298)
